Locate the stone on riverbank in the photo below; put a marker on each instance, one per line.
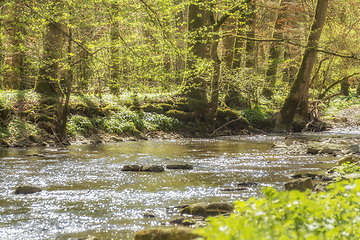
(23, 189)
(166, 234)
(331, 148)
(301, 185)
(208, 209)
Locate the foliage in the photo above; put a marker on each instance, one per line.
(154, 121)
(257, 117)
(18, 128)
(129, 121)
(78, 124)
(347, 168)
(341, 102)
(292, 215)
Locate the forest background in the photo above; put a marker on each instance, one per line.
(128, 66)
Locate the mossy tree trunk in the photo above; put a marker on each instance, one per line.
(15, 55)
(48, 81)
(2, 2)
(214, 95)
(115, 52)
(68, 89)
(196, 85)
(275, 49)
(233, 46)
(250, 44)
(302, 80)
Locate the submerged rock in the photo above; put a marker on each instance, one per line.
(301, 185)
(187, 221)
(184, 166)
(153, 168)
(232, 189)
(23, 189)
(134, 168)
(208, 209)
(178, 233)
(247, 184)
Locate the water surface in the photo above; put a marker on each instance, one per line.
(86, 193)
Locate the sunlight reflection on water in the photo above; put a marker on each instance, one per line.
(86, 193)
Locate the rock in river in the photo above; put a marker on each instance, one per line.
(208, 209)
(185, 166)
(153, 168)
(301, 185)
(176, 233)
(134, 168)
(23, 189)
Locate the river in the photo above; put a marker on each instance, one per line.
(86, 193)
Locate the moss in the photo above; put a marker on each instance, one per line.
(151, 108)
(5, 111)
(182, 116)
(226, 114)
(43, 118)
(166, 107)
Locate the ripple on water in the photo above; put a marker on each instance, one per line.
(86, 193)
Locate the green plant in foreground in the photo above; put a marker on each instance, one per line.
(292, 215)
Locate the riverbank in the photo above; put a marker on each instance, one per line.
(28, 119)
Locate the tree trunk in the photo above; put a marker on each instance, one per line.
(2, 2)
(15, 56)
(302, 80)
(275, 51)
(115, 53)
(68, 89)
(196, 85)
(250, 44)
(48, 81)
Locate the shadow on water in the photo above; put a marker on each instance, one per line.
(86, 193)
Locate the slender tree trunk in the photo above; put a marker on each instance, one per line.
(238, 44)
(68, 89)
(115, 52)
(250, 44)
(48, 81)
(2, 49)
(275, 51)
(301, 83)
(15, 54)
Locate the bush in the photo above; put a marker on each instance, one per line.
(292, 215)
(155, 121)
(257, 118)
(78, 124)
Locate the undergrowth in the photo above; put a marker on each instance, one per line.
(122, 121)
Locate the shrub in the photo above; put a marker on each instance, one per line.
(78, 124)
(292, 215)
(155, 121)
(257, 118)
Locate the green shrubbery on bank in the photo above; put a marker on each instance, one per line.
(293, 215)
